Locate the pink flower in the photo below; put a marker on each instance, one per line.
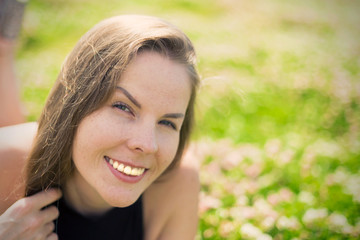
(253, 170)
(286, 194)
(226, 228)
(231, 160)
(285, 157)
(207, 202)
(274, 199)
(272, 147)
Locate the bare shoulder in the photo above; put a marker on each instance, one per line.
(171, 203)
(18, 136)
(15, 144)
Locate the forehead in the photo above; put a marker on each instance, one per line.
(152, 76)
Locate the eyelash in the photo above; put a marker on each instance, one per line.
(168, 124)
(124, 107)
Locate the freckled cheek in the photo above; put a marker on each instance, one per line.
(168, 150)
(82, 148)
(91, 138)
(104, 128)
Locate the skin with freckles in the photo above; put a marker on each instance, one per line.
(139, 126)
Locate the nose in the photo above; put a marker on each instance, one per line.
(143, 138)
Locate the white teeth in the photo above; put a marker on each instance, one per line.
(121, 167)
(115, 165)
(134, 171)
(126, 169)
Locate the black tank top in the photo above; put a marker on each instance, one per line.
(117, 223)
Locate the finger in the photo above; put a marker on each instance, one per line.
(48, 228)
(49, 214)
(52, 236)
(45, 231)
(44, 198)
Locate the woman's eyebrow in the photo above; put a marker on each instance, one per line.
(136, 103)
(129, 96)
(174, 115)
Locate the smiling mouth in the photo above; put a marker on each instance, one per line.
(126, 169)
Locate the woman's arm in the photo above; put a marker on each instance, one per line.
(15, 143)
(11, 14)
(22, 218)
(10, 106)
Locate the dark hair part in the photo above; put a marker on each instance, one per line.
(87, 80)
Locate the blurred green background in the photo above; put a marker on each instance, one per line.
(278, 115)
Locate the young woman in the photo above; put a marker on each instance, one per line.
(111, 137)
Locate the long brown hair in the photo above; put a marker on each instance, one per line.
(87, 80)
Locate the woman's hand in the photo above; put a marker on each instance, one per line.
(26, 218)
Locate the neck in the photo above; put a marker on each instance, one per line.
(84, 199)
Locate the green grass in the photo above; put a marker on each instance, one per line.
(278, 115)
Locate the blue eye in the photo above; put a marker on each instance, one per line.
(122, 107)
(168, 124)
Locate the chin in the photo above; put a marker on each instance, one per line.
(121, 200)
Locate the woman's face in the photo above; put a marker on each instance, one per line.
(121, 148)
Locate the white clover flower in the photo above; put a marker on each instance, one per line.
(251, 152)
(356, 229)
(267, 179)
(264, 209)
(340, 175)
(348, 230)
(207, 202)
(267, 223)
(338, 221)
(248, 212)
(314, 215)
(264, 237)
(326, 148)
(357, 197)
(306, 197)
(262, 205)
(208, 233)
(272, 147)
(287, 223)
(250, 231)
(282, 223)
(242, 200)
(285, 157)
(242, 213)
(352, 186)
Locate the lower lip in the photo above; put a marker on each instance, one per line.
(123, 177)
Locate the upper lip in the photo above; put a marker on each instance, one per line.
(125, 163)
